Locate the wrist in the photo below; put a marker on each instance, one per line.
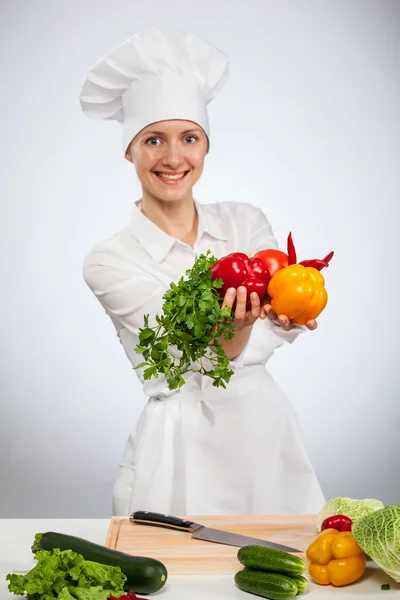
(236, 345)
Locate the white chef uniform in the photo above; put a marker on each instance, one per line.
(199, 449)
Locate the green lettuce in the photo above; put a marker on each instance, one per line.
(66, 575)
(378, 535)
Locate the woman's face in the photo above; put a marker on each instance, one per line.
(169, 158)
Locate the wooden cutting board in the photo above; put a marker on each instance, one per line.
(183, 555)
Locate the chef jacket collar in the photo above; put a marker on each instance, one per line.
(158, 243)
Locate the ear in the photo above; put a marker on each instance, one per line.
(128, 156)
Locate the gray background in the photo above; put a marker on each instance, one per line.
(307, 128)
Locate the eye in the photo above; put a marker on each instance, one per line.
(190, 139)
(153, 141)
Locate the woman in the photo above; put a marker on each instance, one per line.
(199, 449)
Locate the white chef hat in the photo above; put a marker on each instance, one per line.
(157, 75)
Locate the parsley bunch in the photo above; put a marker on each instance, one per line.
(192, 321)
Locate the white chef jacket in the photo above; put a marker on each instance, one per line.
(201, 449)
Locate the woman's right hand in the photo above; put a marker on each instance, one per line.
(243, 318)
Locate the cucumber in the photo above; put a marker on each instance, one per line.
(269, 585)
(268, 559)
(301, 582)
(144, 575)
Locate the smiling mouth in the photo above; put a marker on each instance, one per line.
(171, 178)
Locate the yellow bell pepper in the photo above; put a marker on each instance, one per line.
(344, 545)
(319, 573)
(335, 558)
(346, 570)
(320, 551)
(298, 292)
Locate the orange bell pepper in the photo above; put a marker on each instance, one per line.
(335, 558)
(298, 292)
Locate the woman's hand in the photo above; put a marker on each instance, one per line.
(266, 311)
(243, 318)
(246, 318)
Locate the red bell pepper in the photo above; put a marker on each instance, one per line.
(237, 269)
(339, 522)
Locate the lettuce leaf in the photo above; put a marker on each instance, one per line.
(66, 575)
(93, 593)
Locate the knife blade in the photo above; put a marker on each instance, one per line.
(201, 532)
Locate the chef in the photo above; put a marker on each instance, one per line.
(199, 449)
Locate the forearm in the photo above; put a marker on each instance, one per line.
(236, 345)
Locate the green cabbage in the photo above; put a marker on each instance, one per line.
(352, 508)
(378, 535)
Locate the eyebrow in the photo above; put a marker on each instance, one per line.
(163, 133)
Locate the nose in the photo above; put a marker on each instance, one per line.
(172, 156)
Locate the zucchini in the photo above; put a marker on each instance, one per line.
(268, 559)
(301, 582)
(268, 585)
(144, 575)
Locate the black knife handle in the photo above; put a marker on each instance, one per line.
(151, 518)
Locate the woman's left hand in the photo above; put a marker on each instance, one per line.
(267, 312)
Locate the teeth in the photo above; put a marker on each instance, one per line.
(172, 177)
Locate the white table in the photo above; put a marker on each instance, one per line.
(16, 536)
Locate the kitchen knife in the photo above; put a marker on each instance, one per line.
(200, 532)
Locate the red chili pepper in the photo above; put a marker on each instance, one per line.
(237, 269)
(315, 263)
(291, 250)
(318, 263)
(339, 522)
(328, 256)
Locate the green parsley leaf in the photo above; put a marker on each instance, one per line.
(192, 320)
(150, 372)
